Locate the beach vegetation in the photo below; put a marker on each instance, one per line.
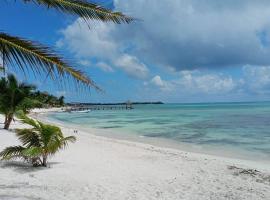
(19, 96)
(47, 100)
(14, 96)
(38, 142)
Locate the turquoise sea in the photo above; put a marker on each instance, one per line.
(241, 129)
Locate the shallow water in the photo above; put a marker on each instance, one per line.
(237, 127)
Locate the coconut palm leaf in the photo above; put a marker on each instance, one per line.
(27, 120)
(29, 55)
(85, 10)
(28, 137)
(66, 140)
(12, 152)
(32, 152)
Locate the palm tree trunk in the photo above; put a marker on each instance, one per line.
(8, 120)
(5, 119)
(44, 161)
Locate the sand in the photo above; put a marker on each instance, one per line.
(97, 167)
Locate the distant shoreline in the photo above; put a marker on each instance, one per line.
(108, 104)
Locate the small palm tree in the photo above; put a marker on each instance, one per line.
(27, 55)
(12, 98)
(38, 143)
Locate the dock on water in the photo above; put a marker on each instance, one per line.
(83, 107)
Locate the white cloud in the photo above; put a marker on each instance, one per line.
(104, 67)
(194, 82)
(85, 42)
(256, 79)
(189, 34)
(85, 63)
(182, 34)
(101, 65)
(163, 85)
(253, 84)
(132, 66)
(99, 43)
(206, 83)
(157, 81)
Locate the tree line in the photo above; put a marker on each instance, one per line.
(19, 96)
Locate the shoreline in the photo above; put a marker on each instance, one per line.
(242, 158)
(97, 167)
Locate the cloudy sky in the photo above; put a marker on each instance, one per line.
(177, 51)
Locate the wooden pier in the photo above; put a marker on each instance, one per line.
(126, 106)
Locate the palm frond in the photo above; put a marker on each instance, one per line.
(49, 132)
(32, 152)
(27, 120)
(53, 146)
(28, 137)
(12, 152)
(66, 140)
(57, 144)
(85, 10)
(29, 55)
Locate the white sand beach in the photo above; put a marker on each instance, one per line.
(97, 168)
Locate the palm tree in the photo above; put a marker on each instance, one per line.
(38, 143)
(61, 101)
(28, 55)
(13, 95)
(46, 99)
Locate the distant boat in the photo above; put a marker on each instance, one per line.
(81, 111)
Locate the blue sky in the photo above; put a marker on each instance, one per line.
(180, 51)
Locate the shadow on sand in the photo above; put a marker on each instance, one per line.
(18, 197)
(23, 167)
(21, 185)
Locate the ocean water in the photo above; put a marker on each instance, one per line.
(239, 128)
